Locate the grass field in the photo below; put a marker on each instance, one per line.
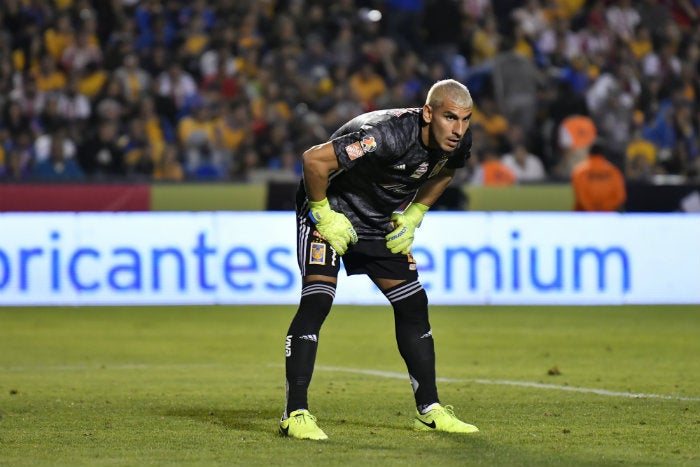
(204, 386)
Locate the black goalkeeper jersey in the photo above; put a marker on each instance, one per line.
(383, 163)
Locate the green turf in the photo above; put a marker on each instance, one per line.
(205, 386)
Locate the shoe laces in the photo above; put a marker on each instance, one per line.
(449, 410)
(302, 417)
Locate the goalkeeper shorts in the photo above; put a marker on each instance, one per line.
(368, 256)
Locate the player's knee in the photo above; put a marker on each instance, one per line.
(410, 303)
(315, 304)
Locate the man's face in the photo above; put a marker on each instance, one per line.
(447, 125)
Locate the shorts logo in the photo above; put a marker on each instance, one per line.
(412, 266)
(318, 253)
(420, 171)
(355, 150)
(368, 143)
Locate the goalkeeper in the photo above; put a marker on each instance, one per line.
(362, 197)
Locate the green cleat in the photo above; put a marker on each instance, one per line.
(301, 425)
(442, 419)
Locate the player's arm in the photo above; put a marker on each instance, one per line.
(431, 190)
(400, 239)
(317, 163)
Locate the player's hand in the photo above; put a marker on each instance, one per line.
(400, 239)
(335, 228)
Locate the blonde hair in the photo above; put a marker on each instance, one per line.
(449, 89)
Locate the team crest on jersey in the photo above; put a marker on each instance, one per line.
(420, 171)
(438, 167)
(368, 143)
(355, 150)
(318, 253)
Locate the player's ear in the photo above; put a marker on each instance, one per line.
(427, 113)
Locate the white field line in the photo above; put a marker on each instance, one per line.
(360, 371)
(524, 384)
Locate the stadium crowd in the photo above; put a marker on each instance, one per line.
(231, 89)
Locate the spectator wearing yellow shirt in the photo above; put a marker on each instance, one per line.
(640, 154)
(367, 85)
(233, 127)
(197, 134)
(485, 41)
(169, 169)
(59, 37)
(641, 43)
(493, 123)
(158, 130)
(48, 77)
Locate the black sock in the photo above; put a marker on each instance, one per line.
(301, 342)
(415, 339)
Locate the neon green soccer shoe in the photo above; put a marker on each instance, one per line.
(442, 419)
(301, 425)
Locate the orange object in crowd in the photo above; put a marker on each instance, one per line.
(497, 174)
(577, 131)
(598, 185)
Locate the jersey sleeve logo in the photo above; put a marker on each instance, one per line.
(360, 148)
(354, 150)
(368, 143)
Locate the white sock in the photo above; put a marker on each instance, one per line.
(429, 408)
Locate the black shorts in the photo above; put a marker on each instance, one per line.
(368, 256)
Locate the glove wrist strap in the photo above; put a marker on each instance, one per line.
(318, 210)
(415, 212)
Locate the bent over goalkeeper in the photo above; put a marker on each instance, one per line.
(362, 196)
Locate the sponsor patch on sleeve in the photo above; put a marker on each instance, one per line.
(354, 150)
(317, 254)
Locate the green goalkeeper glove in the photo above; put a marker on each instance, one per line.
(332, 225)
(401, 238)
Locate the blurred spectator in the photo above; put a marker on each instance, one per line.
(485, 41)
(135, 81)
(55, 136)
(18, 155)
(196, 134)
(491, 171)
(169, 168)
(640, 154)
(622, 19)
(100, 155)
(110, 103)
(516, 82)
(366, 85)
(48, 76)
(59, 36)
(532, 63)
(598, 185)
(526, 166)
(531, 19)
(233, 128)
(576, 135)
(178, 86)
(78, 55)
(57, 166)
(494, 124)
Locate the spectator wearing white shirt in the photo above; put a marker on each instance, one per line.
(527, 167)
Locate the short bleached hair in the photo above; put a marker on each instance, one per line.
(449, 89)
